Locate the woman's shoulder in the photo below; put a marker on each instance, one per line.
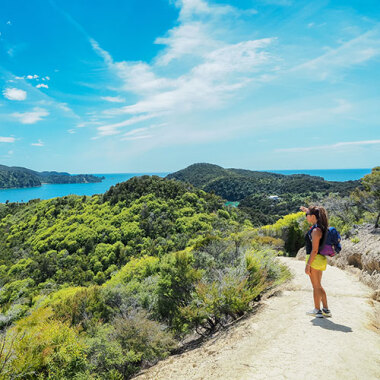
(316, 229)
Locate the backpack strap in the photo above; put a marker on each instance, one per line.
(324, 239)
(322, 242)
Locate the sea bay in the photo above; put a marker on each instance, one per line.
(48, 191)
(338, 175)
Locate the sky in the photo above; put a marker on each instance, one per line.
(116, 86)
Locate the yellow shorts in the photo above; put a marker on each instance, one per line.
(319, 263)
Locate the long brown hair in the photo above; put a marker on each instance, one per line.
(321, 215)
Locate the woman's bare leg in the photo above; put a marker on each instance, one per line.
(318, 291)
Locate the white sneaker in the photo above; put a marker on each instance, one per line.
(326, 312)
(315, 313)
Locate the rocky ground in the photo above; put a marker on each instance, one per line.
(279, 341)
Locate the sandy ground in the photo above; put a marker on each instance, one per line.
(280, 341)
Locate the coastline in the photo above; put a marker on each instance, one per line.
(24, 194)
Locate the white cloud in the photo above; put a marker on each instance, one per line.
(31, 117)
(39, 143)
(207, 85)
(64, 107)
(10, 152)
(104, 54)
(14, 94)
(208, 71)
(354, 52)
(42, 85)
(188, 39)
(72, 131)
(138, 77)
(191, 8)
(47, 77)
(16, 77)
(113, 129)
(199, 70)
(88, 123)
(141, 133)
(113, 99)
(7, 139)
(222, 73)
(32, 76)
(139, 137)
(330, 147)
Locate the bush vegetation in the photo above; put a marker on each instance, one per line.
(99, 287)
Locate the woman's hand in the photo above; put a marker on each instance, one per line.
(303, 208)
(307, 269)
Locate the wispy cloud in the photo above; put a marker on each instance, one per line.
(210, 70)
(14, 94)
(42, 85)
(329, 147)
(191, 38)
(31, 117)
(141, 133)
(113, 129)
(7, 139)
(39, 143)
(351, 53)
(113, 99)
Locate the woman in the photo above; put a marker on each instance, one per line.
(315, 262)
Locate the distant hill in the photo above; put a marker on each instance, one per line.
(11, 177)
(263, 196)
(237, 184)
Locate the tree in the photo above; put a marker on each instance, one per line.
(371, 183)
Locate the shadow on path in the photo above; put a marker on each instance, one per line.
(329, 325)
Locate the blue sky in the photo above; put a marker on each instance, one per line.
(154, 86)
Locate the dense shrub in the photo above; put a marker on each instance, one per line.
(124, 275)
(43, 347)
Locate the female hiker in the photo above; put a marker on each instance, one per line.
(315, 262)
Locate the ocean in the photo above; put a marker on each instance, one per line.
(59, 190)
(339, 175)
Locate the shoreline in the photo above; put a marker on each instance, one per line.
(47, 183)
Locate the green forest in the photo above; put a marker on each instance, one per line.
(253, 189)
(99, 287)
(12, 177)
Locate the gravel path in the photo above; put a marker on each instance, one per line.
(281, 342)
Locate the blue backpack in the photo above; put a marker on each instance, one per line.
(331, 244)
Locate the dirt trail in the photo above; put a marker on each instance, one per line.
(281, 342)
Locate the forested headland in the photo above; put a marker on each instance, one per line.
(13, 177)
(264, 196)
(98, 287)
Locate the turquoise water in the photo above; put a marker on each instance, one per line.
(59, 190)
(339, 175)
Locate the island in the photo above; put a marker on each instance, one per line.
(18, 177)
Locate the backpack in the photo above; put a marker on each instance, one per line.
(331, 244)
